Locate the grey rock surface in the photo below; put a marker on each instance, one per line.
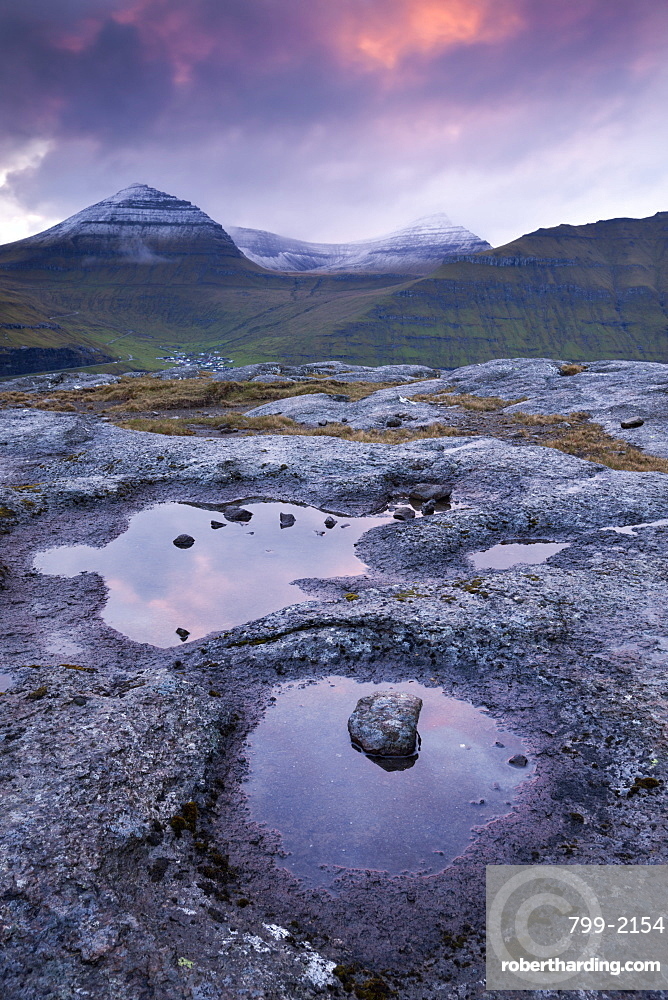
(611, 391)
(129, 865)
(385, 723)
(372, 412)
(57, 381)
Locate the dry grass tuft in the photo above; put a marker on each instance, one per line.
(573, 434)
(548, 419)
(481, 404)
(150, 393)
(275, 424)
(389, 436)
(572, 369)
(174, 427)
(41, 401)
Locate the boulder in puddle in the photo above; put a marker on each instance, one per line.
(385, 723)
(287, 520)
(403, 514)
(183, 541)
(430, 491)
(237, 514)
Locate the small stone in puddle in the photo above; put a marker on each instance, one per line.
(319, 532)
(237, 514)
(393, 422)
(428, 507)
(403, 513)
(183, 541)
(430, 491)
(519, 760)
(287, 520)
(182, 633)
(330, 522)
(385, 723)
(635, 422)
(218, 524)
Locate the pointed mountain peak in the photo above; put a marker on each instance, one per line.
(138, 224)
(437, 220)
(143, 193)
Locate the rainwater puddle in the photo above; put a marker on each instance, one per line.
(5, 681)
(508, 554)
(629, 529)
(337, 808)
(230, 575)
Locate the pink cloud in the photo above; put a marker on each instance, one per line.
(382, 35)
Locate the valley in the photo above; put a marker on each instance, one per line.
(138, 289)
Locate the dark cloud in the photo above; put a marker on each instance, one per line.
(113, 69)
(294, 94)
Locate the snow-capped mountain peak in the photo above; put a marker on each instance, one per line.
(415, 249)
(138, 223)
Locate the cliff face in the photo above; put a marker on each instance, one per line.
(414, 250)
(584, 292)
(25, 360)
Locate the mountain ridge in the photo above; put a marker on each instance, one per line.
(416, 249)
(581, 292)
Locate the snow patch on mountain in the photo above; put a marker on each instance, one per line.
(138, 224)
(415, 249)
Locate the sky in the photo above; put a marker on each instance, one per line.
(335, 120)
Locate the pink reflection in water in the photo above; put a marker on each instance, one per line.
(229, 576)
(336, 808)
(508, 554)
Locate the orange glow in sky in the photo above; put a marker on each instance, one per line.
(426, 27)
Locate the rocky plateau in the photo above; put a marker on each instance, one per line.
(130, 868)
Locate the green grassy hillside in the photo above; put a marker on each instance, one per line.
(578, 292)
(138, 312)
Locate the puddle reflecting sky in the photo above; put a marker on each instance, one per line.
(629, 529)
(516, 554)
(335, 807)
(230, 575)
